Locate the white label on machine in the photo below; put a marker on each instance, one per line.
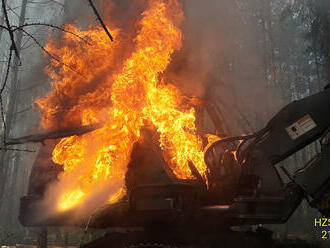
(301, 127)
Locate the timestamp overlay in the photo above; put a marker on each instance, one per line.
(322, 228)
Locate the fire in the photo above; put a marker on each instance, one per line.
(70, 199)
(124, 94)
(213, 139)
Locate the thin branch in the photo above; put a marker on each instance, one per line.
(100, 19)
(13, 10)
(4, 27)
(10, 31)
(48, 53)
(52, 26)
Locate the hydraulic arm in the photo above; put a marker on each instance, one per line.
(261, 195)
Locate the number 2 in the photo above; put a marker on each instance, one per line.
(324, 235)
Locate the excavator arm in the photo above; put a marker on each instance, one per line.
(261, 196)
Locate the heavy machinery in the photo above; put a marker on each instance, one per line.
(243, 187)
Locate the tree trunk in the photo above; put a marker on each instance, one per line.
(13, 97)
(269, 29)
(269, 53)
(316, 61)
(2, 20)
(323, 10)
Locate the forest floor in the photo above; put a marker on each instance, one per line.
(286, 244)
(33, 246)
(72, 241)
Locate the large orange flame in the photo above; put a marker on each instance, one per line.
(122, 95)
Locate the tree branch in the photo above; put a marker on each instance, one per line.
(100, 19)
(57, 134)
(48, 53)
(52, 26)
(10, 31)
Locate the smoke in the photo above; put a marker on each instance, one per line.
(122, 14)
(223, 59)
(220, 58)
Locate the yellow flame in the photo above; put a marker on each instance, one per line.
(124, 101)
